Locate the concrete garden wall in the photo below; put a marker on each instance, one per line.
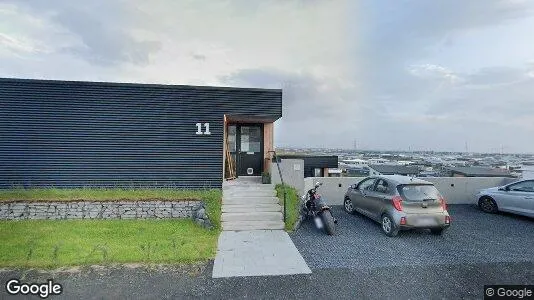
(457, 190)
(292, 171)
(22, 210)
(333, 188)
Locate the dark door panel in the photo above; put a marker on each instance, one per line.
(248, 149)
(361, 194)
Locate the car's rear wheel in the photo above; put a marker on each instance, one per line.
(347, 205)
(488, 205)
(388, 226)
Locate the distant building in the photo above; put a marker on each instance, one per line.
(356, 172)
(478, 172)
(315, 165)
(354, 162)
(334, 173)
(378, 161)
(393, 170)
(429, 174)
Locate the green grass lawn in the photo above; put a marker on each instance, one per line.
(55, 243)
(103, 194)
(292, 208)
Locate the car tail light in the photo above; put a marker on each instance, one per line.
(447, 220)
(397, 202)
(443, 203)
(403, 221)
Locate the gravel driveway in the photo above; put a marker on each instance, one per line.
(474, 237)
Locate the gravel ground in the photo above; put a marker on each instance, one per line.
(474, 237)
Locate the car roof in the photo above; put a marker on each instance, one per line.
(400, 179)
(520, 180)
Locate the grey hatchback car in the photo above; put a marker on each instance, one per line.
(399, 203)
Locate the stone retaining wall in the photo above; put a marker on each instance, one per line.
(104, 210)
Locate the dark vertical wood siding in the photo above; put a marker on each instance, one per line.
(74, 134)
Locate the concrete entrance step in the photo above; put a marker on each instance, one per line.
(249, 186)
(254, 193)
(227, 186)
(250, 200)
(252, 216)
(252, 225)
(251, 207)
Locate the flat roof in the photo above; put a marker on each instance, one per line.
(480, 171)
(134, 84)
(395, 169)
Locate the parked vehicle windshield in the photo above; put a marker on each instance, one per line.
(418, 192)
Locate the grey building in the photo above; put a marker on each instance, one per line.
(478, 172)
(75, 134)
(315, 165)
(393, 170)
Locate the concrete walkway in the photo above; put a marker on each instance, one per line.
(257, 253)
(253, 242)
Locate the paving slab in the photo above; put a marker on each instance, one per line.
(257, 253)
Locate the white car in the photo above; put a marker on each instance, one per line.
(516, 197)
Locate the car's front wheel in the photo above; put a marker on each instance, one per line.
(488, 205)
(388, 226)
(347, 205)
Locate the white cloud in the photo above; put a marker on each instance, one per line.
(433, 71)
(27, 36)
(360, 67)
(16, 45)
(283, 35)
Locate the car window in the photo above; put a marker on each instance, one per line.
(382, 186)
(418, 192)
(366, 184)
(524, 186)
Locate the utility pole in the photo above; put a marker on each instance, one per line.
(466, 150)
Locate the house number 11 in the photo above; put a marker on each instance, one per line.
(206, 129)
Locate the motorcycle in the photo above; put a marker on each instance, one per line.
(313, 205)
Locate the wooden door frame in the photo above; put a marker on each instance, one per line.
(267, 143)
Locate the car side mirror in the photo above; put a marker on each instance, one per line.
(504, 188)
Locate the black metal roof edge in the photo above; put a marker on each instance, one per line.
(137, 84)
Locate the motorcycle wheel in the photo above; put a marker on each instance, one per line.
(328, 221)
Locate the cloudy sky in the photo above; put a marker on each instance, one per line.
(410, 74)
